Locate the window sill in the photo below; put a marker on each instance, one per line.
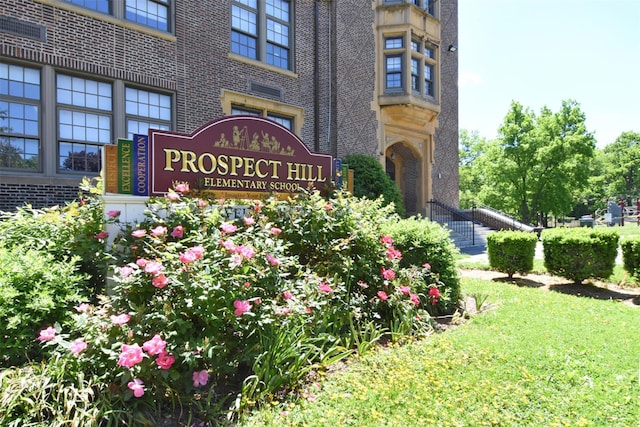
(240, 58)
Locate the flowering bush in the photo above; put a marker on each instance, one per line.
(202, 302)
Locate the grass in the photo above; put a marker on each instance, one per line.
(538, 358)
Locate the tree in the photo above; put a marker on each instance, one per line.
(471, 147)
(622, 165)
(539, 164)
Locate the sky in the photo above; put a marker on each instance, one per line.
(541, 52)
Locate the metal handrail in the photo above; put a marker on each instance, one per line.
(453, 219)
(504, 218)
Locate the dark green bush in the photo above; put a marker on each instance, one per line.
(370, 181)
(63, 231)
(631, 256)
(511, 251)
(422, 241)
(36, 291)
(580, 253)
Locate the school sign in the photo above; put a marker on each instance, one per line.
(236, 157)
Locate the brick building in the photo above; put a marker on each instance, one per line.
(377, 77)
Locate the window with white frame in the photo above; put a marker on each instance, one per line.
(394, 57)
(20, 118)
(85, 110)
(154, 14)
(420, 76)
(146, 110)
(262, 30)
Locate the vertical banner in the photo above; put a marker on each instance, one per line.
(337, 167)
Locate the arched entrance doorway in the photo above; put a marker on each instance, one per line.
(404, 168)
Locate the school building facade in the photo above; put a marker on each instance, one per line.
(376, 77)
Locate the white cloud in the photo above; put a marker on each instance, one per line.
(469, 78)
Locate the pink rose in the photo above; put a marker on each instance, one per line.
(324, 287)
(113, 214)
(159, 231)
(383, 295)
(434, 292)
(388, 274)
(160, 281)
(183, 187)
(287, 295)
(414, 299)
(125, 271)
(228, 228)
(137, 386)
(130, 356)
(153, 267)
(248, 221)
(165, 360)
(426, 265)
(47, 334)
(405, 290)
(272, 260)
(187, 257)
(236, 260)
(229, 245)
(393, 253)
(139, 233)
(102, 235)
(386, 240)
(173, 196)
(120, 319)
(246, 251)
(241, 307)
(141, 262)
(200, 378)
(155, 345)
(275, 230)
(78, 346)
(82, 308)
(198, 251)
(178, 232)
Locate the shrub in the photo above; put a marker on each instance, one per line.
(370, 181)
(631, 256)
(35, 291)
(425, 242)
(207, 308)
(74, 230)
(580, 253)
(511, 251)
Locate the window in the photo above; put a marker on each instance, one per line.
(146, 110)
(261, 30)
(19, 117)
(84, 122)
(429, 70)
(394, 56)
(420, 76)
(283, 120)
(150, 13)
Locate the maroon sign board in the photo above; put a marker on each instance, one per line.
(240, 157)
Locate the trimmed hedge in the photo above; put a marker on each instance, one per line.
(511, 251)
(422, 241)
(580, 253)
(631, 256)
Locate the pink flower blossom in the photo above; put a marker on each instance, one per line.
(414, 299)
(388, 274)
(130, 356)
(324, 287)
(287, 295)
(155, 345)
(386, 240)
(275, 231)
(160, 281)
(139, 233)
(282, 311)
(434, 292)
(102, 235)
(125, 271)
(113, 214)
(182, 187)
(201, 203)
(137, 386)
(187, 257)
(120, 319)
(159, 231)
(47, 334)
(198, 251)
(405, 290)
(393, 253)
(246, 251)
(173, 196)
(165, 360)
(272, 260)
(153, 267)
(141, 262)
(426, 265)
(82, 308)
(228, 245)
(228, 228)
(78, 346)
(248, 221)
(328, 207)
(383, 295)
(241, 307)
(236, 260)
(178, 232)
(200, 378)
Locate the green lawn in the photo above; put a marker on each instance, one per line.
(538, 358)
